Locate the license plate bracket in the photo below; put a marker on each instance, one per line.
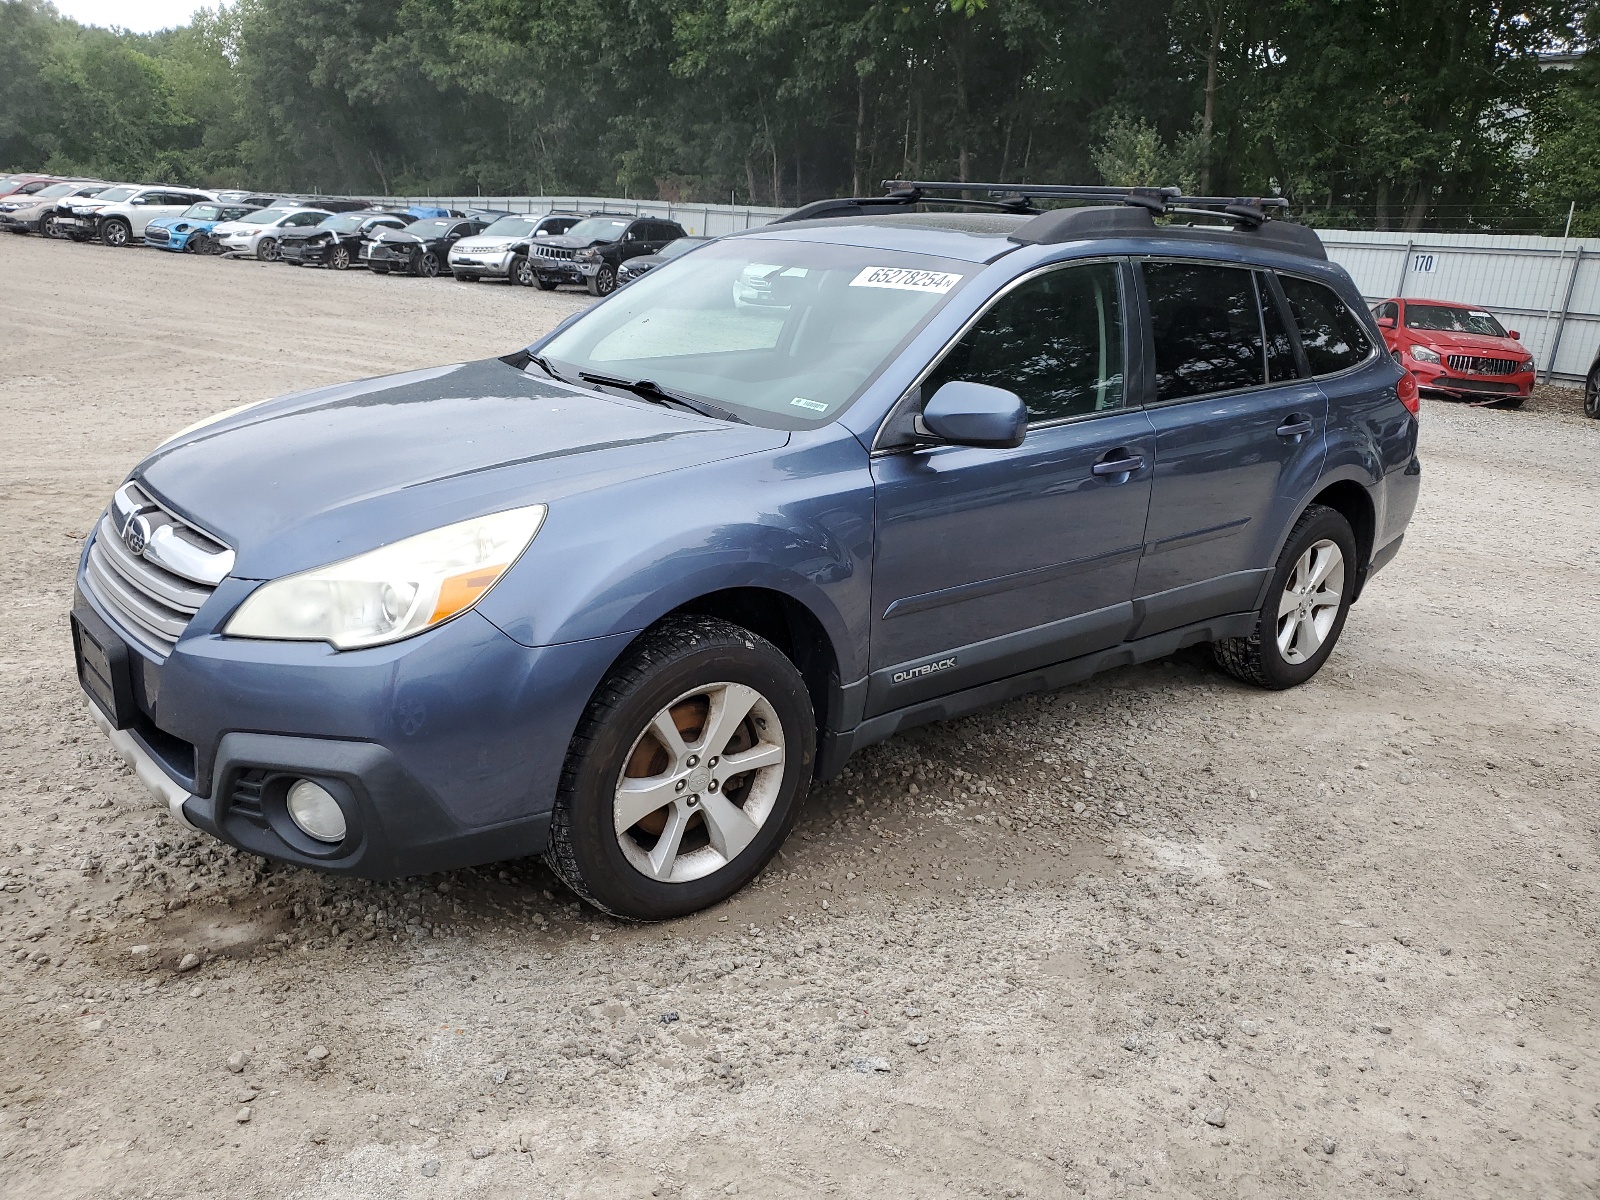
(105, 671)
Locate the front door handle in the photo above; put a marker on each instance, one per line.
(1123, 464)
(1295, 426)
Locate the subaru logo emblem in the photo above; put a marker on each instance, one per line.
(136, 535)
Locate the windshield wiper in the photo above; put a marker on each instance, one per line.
(543, 364)
(649, 389)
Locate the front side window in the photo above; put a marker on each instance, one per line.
(784, 333)
(1331, 335)
(1207, 329)
(1055, 340)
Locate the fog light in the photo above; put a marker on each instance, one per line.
(316, 812)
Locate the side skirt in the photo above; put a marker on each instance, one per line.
(837, 747)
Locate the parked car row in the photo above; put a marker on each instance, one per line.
(598, 251)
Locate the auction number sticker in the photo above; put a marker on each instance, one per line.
(904, 279)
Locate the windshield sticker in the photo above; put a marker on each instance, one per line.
(903, 279)
(1482, 316)
(813, 405)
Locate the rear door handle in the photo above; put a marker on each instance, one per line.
(1125, 465)
(1295, 426)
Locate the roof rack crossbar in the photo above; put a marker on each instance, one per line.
(1160, 201)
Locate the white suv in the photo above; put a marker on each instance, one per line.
(259, 234)
(122, 222)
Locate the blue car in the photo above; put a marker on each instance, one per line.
(619, 598)
(190, 231)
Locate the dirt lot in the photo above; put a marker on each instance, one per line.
(1159, 934)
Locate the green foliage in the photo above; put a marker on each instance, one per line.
(1395, 113)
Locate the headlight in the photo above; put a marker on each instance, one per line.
(588, 255)
(392, 592)
(1423, 355)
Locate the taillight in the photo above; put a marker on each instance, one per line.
(1407, 389)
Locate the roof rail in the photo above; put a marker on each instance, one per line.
(1160, 201)
(900, 196)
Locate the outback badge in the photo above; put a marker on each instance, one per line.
(928, 668)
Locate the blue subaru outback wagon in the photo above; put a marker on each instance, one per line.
(620, 597)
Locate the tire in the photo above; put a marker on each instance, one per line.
(204, 243)
(339, 258)
(461, 277)
(267, 250)
(428, 265)
(1591, 393)
(80, 237)
(379, 270)
(679, 676)
(47, 227)
(1312, 629)
(115, 232)
(604, 281)
(545, 285)
(522, 273)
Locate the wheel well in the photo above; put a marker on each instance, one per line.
(788, 625)
(1351, 501)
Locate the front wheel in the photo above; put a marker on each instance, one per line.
(604, 281)
(114, 231)
(545, 285)
(339, 258)
(1305, 609)
(49, 228)
(522, 273)
(267, 250)
(1591, 394)
(686, 772)
(428, 267)
(204, 243)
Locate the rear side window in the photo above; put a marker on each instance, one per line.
(1056, 341)
(1331, 335)
(1207, 329)
(1281, 363)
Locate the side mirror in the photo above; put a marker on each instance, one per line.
(1385, 322)
(1514, 335)
(975, 414)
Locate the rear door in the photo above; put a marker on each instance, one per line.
(991, 562)
(1240, 437)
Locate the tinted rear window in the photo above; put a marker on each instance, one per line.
(1331, 335)
(1207, 329)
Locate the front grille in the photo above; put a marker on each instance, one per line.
(157, 236)
(156, 592)
(554, 252)
(1469, 364)
(1497, 386)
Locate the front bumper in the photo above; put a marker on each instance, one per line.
(11, 223)
(445, 750)
(382, 256)
(297, 252)
(558, 270)
(233, 243)
(1485, 388)
(498, 265)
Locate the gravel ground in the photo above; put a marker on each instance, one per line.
(1160, 933)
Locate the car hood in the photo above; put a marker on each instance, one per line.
(402, 237)
(226, 227)
(303, 235)
(1469, 343)
(567, 242)
(311, 478)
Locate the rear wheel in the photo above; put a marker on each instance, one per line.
(114, 231)
(267, 250)
(339, 258)
(686, 772)
(522, 272)
(1307, 602)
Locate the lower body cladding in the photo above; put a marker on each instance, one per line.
(441, 751)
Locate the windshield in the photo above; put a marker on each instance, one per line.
(681, 246)
(432, 228)
(263, 216)
(112, 195)
(203, 212)
(1453, 320)
(347, 223)
(598, 229)
(785, 334)
(511, 227)
(54, 190)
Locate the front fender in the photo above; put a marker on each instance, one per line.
(796, 520)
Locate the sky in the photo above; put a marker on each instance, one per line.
(141, 16)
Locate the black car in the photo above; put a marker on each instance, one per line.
(635, 267)
(339, 240)
(591, 251)
(421, 248)
(501, 250)
(1591, 390)
(333, 204)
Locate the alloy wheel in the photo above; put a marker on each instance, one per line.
(267, 250)
(1310, 602)
(114, 233)
(429, 266)
(1591, 394)
(339, 260)
(701, 780)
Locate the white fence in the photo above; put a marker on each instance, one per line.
(1548, 289)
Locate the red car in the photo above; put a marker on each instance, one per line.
(24, 185)
(1457, 350)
